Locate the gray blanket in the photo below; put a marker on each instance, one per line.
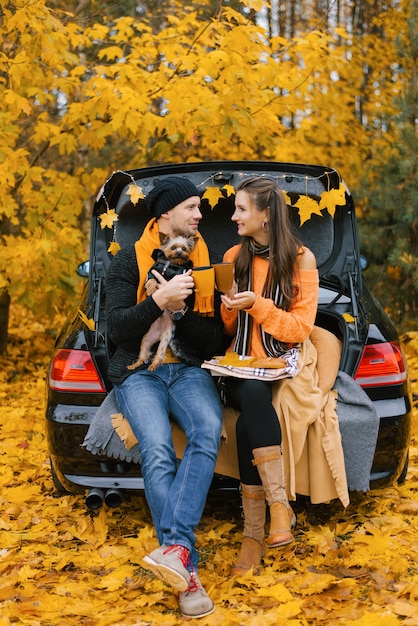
(357, 417)
(102, 438)
(359, 426)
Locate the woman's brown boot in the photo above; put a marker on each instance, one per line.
(252, 547)
(269, 462)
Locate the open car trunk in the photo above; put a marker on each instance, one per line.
(322, 215)
(320, 209)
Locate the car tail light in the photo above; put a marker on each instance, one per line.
(381, 364)
(74, 370)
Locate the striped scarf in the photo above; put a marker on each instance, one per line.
(272, 346)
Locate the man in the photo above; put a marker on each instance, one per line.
(176, 494)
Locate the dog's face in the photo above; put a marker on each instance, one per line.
(177, 249)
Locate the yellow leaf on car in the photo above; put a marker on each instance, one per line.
(88, 322)
(135, 193)
(107, 219)
(230, 190)
(332, 198)
(113, 248)
(348, 318)
(287, 198)
(213, 195)
(307, 207)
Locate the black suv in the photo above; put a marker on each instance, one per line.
(322, 211)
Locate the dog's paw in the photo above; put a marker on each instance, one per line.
(151, 286)
(133, 366)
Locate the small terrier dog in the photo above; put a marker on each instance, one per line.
(173, 257)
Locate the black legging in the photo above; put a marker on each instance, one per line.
(257, 425)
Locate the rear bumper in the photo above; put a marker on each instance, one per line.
(76, 470)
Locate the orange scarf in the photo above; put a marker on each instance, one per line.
(144, 248)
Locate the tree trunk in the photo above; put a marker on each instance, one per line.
(4, 319)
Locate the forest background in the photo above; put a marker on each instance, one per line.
(95, 86)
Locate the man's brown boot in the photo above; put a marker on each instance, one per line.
(252, 547)
(269, 462)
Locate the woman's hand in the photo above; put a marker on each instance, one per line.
(171, 294)
(239, 301)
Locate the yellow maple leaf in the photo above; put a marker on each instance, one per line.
(230, 190)
(17, 102)
(278, 592)
(404, 608)
(107, 219)
(331, 199)
(348, 318)
(213, 195)
(255, 5)
(287, 610)
(97, 31)
(287, 198)
(88, 322)
(111, 52)
(312, 583)
(93, 532)
(113, 248)
(117, 578)
(307, 207)
(135, 193)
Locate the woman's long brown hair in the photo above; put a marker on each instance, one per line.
(284, 247)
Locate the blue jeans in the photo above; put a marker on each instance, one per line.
(176, 493)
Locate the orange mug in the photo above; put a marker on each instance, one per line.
(224, 276)
(204, 280)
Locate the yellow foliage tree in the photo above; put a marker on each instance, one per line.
(81, 99)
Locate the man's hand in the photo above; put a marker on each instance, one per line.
(171, 294)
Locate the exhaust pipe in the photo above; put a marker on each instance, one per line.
(94, 498)
(113, 498)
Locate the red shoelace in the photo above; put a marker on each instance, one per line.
(182, 553)
(193, 584)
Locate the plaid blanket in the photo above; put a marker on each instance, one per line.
(247, 368)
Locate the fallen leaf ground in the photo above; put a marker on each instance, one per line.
(61, 564)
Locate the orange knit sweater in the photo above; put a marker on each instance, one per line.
(291, 327)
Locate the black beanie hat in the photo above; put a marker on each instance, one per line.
(168, 193)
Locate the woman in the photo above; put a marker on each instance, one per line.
(271, 310)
